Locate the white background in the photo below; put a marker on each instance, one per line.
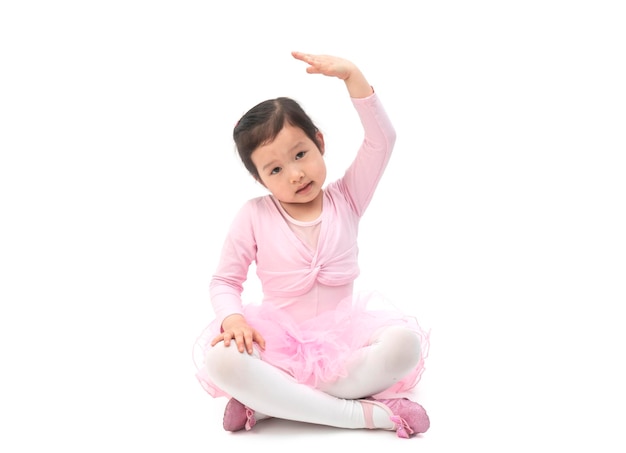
(499, 223)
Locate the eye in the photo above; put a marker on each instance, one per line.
(275, 171)
(300, 155)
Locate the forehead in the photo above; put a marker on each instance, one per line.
(287, 140)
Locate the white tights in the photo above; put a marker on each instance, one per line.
(270, 392)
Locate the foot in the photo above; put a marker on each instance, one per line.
(409, 417)
(237, 416)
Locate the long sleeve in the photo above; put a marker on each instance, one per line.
(363, 175)
(237, 254)
(289, 270)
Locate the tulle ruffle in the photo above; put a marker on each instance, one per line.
(317, 350)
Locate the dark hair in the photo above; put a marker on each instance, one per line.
(262, 123)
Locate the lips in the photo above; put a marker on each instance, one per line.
(304, 188)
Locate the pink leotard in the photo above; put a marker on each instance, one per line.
(301, 280)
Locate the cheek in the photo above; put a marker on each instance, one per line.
(321, 168)
(274, 185)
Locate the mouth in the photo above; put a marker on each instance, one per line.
(305, 188)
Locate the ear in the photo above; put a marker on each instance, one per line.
(320, 139)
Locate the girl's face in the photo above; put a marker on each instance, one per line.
(292, 168)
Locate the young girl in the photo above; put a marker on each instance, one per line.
(312, 351)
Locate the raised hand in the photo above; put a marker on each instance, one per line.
(326, 65)
(331, 66)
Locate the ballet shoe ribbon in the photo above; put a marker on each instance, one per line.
(251, 421)
(402, 427)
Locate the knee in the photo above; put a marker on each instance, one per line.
(404, 349)
(224, 362)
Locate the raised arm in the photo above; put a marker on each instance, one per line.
(356, 83)
(362, 177)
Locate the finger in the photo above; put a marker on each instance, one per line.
(239, 339)
(313, 61)
(259, 340)
(227, 337)
(216, 340)
(302, 56)
(249, 342)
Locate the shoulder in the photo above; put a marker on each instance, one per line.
(247, 219)
(255, 207)
(263, 202)
(338, 196)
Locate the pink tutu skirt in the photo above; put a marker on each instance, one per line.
(318, 349)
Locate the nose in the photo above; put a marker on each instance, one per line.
(296, 174)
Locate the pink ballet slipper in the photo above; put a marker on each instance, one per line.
(408, 416)
(237, 416)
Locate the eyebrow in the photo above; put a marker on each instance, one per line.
(267, 165)
(297, 145)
